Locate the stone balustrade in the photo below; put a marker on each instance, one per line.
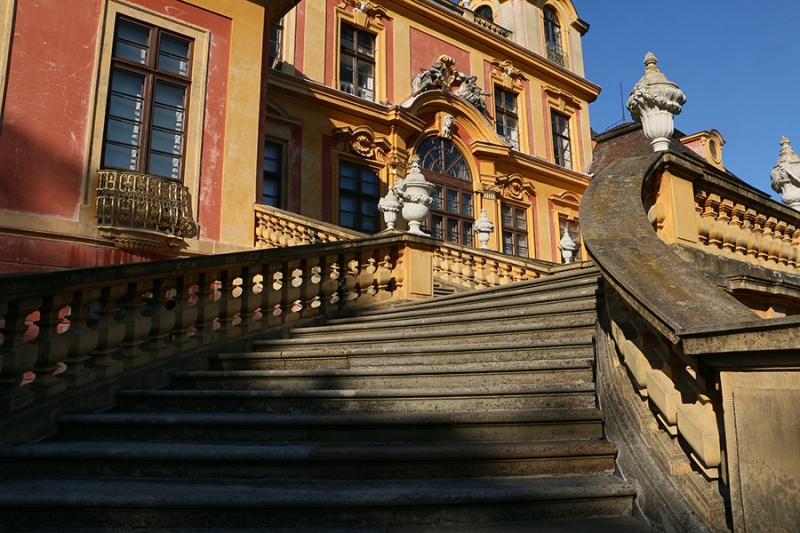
(64, 330)
(276, 228)
(475, 268)
(686, 371)
(703, 210)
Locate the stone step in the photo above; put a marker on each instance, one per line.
(468, 426)
(480, 314)
(544, 396)
(547, 327)
(306, 462)
(351, 356)
(589, 276)
(391, 377)
(301, 506)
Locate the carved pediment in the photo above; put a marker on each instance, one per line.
(514, 187)
(364, 11)
(508, 75)
(361, 141)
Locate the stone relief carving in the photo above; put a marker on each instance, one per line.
(447, 126)
(361, 141)
(440, 76)
(786, 175)
(510, 75)
(473, 94)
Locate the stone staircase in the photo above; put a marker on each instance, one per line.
(468, 413)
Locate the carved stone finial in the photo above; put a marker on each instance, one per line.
(786, 175)
(654, 101)
(567, 247)
(414, 193)
(484, 228)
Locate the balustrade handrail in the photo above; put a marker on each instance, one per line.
(686, 343)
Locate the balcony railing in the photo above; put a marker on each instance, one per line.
(143, 213)
(557, 55)
(491, 26)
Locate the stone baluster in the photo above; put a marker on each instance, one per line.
(261, 231)
(436, 262)
(716, 231)
(703, 222)
(185, 312)
(52, 346)
(350, 286)
(762, 242)
(110, 332)
(283, 233)
(16, 355)
(383, 277)
(82, 340)
(742, 231)
(271, 296)
(729, 232)
(469, 271)
(752, 243)
(781, 250)
(399, 271)
(772, 244)
(137, 325)
(457, 268)
(493, 275)
(504, 271)
(479, 271)
(161, 310)
(291, 303)
(207, 307)
(230, 303)
(366, 278)
(250, 298)
(447, 265)
(309, 290)
(795, 241)
(331, 298)
(790, 253)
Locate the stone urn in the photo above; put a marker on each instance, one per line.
(414, 193)
(484, 228)
(567, 247)
(654, 101)
(389, 205)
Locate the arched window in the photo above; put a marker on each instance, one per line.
(441, 156)
(452, 212)
(552, 37)
(485, 12)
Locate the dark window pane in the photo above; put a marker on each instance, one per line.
(132, 42)
(120, 156)
(164, 165)
(346, 169)
(348, 204)
(123, 131)
(167, 142)
(170, 95)
(507, 220)
(366, 44)
(348, 37)
(127, 83)
(174, 55)
(348, 220)
(125, 107)
(348, 184)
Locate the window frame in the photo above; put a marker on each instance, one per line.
(152, 75)
(513, 230)
(276, 59)
(562, 142)
(359, 195)
(275, 177)
(501, 110)
(196, 102)
(555, 50)
(356, 59)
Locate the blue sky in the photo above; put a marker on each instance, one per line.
(738, 62)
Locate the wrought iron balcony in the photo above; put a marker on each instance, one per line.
(143, 214)
(557, 55)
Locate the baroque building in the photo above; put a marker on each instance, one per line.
(156, 129)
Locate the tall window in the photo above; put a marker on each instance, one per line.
(357, 62)
(506, 116)
(515, 230)
(275, 43)
(145, 126)
(273, 172)
(552, 37)
(561, 140)
(452, 212)
(358, 197)
(574, 231)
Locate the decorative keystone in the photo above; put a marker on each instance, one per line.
(654, 101)
(484, 228)
(786, 175)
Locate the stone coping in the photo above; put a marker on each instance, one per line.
(670, 293)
